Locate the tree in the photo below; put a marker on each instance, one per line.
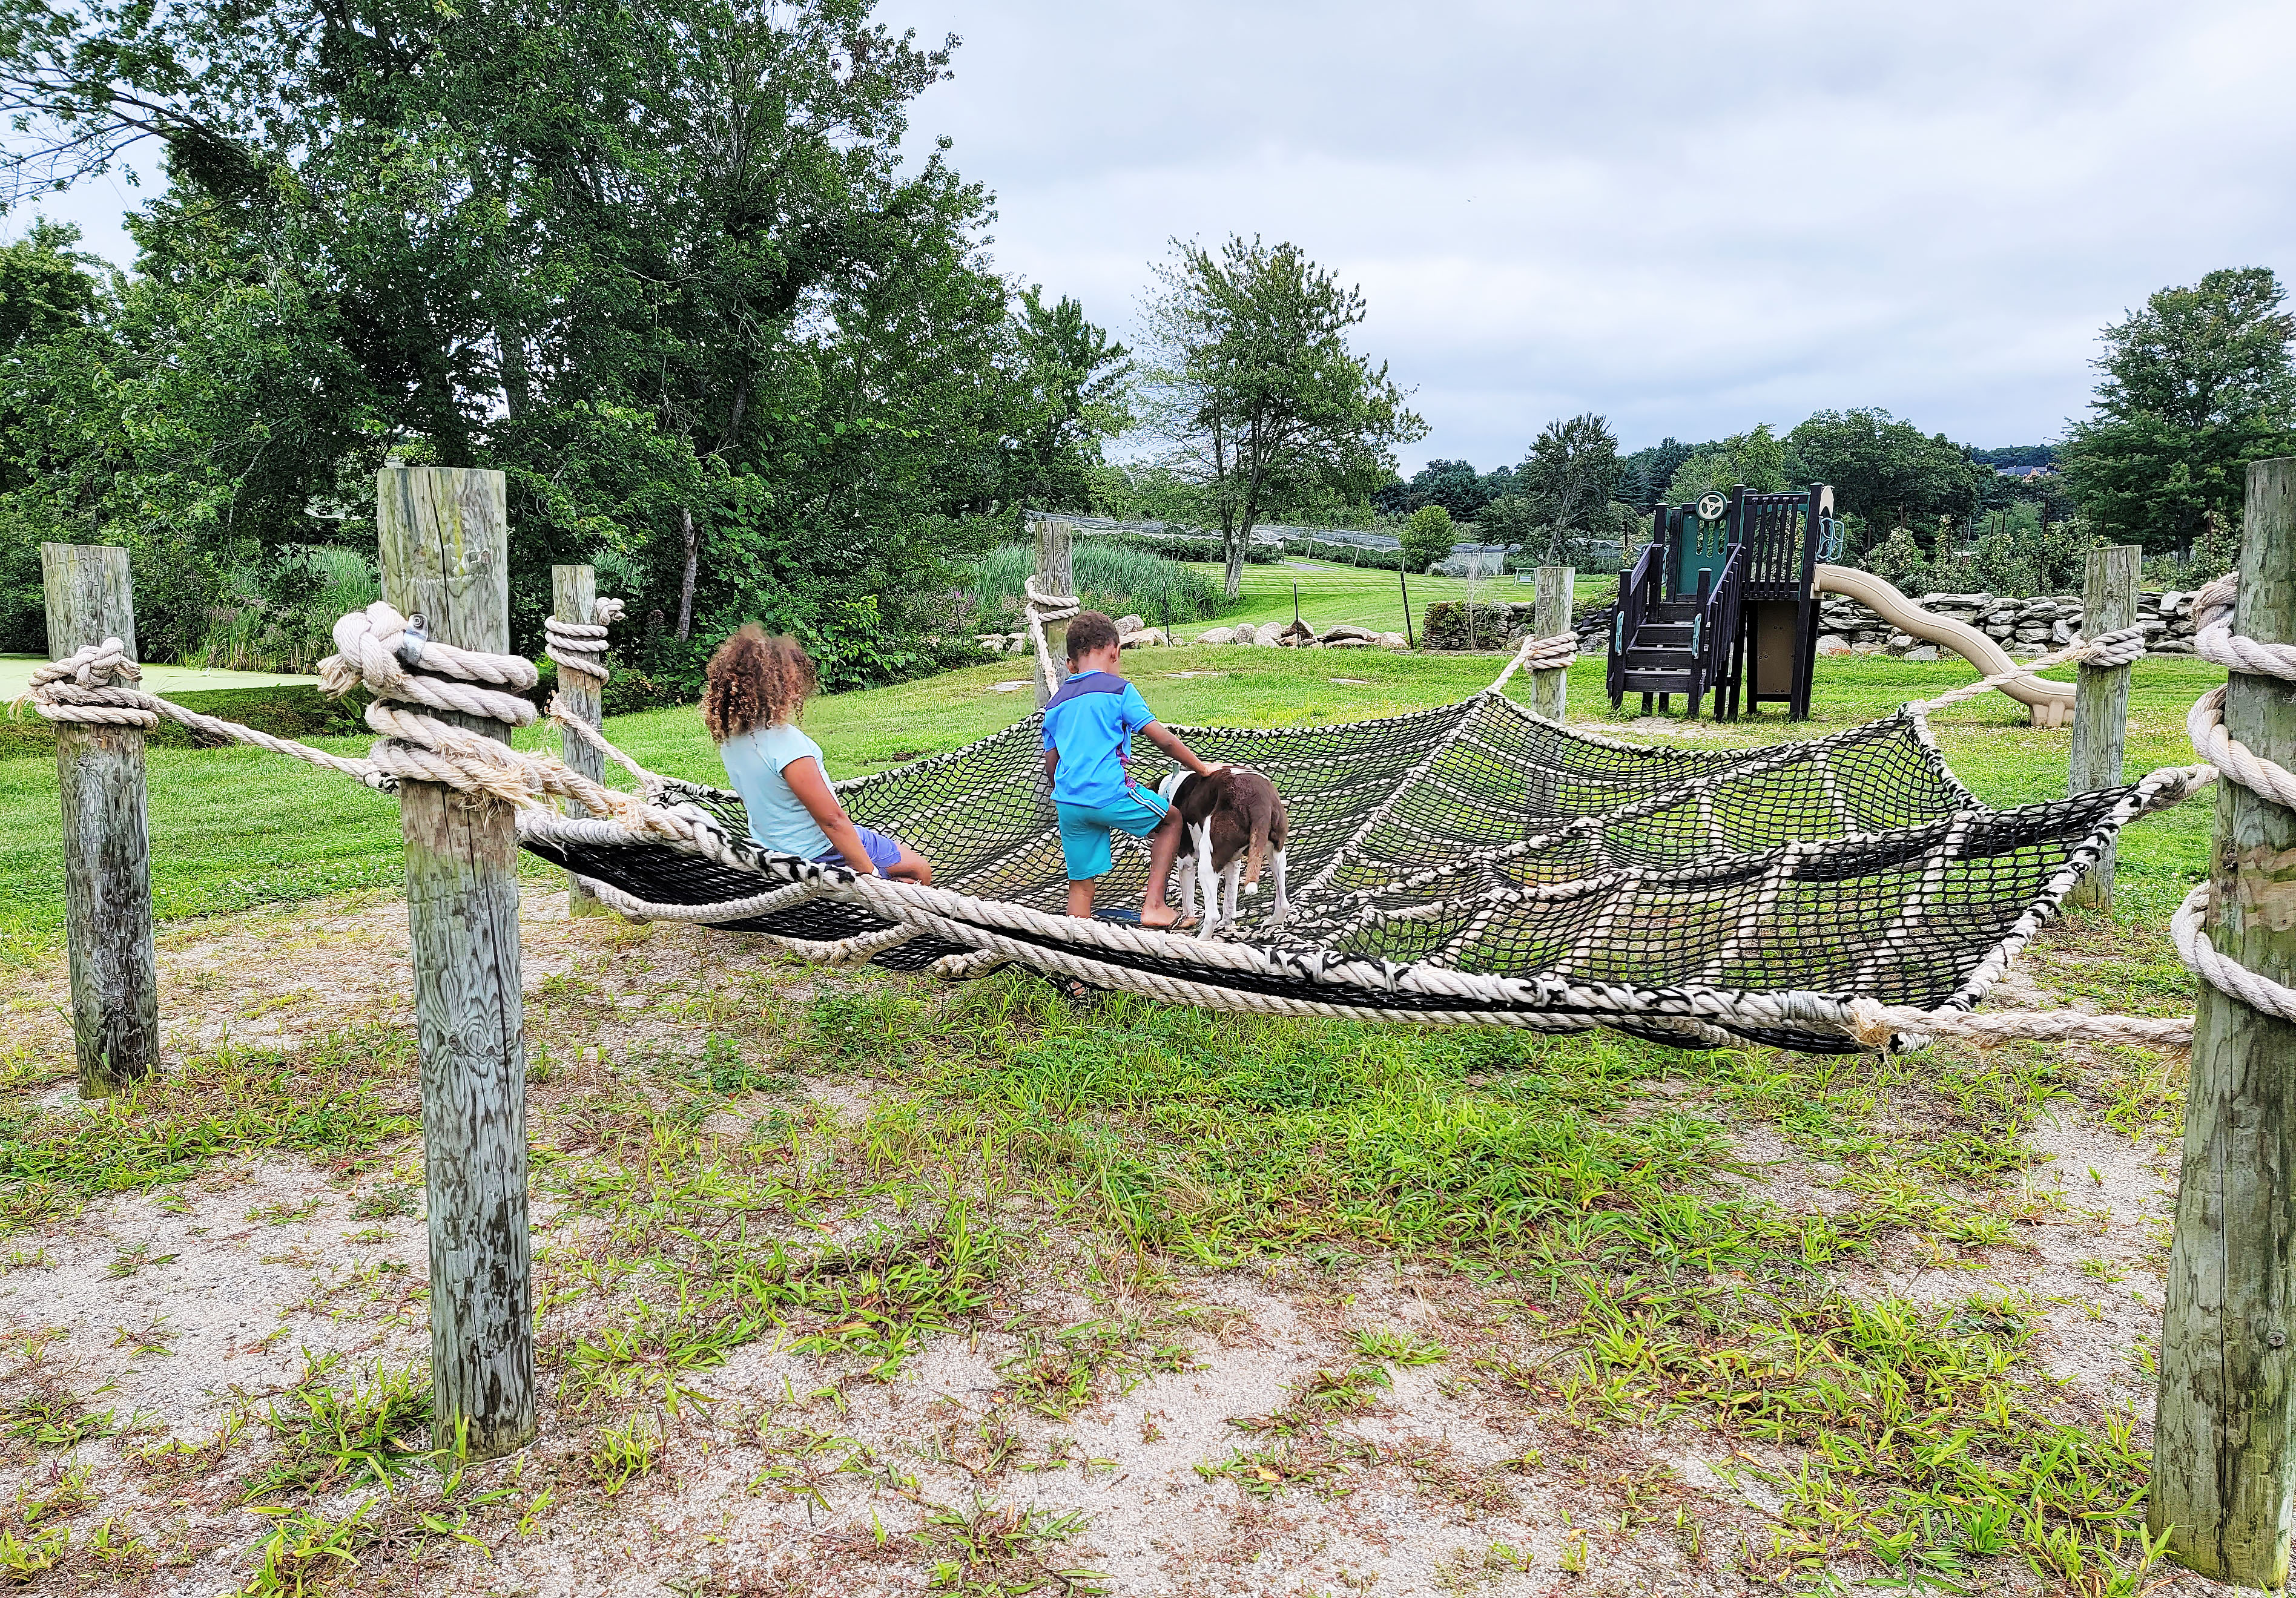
(1427, 536)
(1070, 393)
(1570, 471)
(1454, 485)
(2195, 386)
(1255, 387)
(1646, 472)
(1886, 470)
(1756, 459)
(667, 268)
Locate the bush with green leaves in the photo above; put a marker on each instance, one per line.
(279, 615)
(1427, 536)
(1121, 578)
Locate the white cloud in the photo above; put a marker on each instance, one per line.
(1690, 216)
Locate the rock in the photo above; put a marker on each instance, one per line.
(1218, 635)
(1243, 633)
(1350, 644)
(994, 641)
(1145, 638)
(1393, 640)
(1269, 638)
(1900, 642)
(2060, 631)
(1830, 644)
(1348, 630)
(2031, 632)
(1927, 652)
(1129, 624)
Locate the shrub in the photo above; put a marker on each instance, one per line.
(1118, 576)
(1426, 536)
(280, 616)
(1898, 560)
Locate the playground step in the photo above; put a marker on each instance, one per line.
(1651, 680)
(1661, 634)
(1658, 659)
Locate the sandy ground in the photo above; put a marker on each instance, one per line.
(193, 1313)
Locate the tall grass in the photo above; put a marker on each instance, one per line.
(279, 616)
(1121, 579)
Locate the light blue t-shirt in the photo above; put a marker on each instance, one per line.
(778, 818)
(1091, 721)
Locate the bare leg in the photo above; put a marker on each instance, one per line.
(1163, 848)
(1080, 897)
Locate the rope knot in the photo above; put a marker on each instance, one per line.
(91, 687)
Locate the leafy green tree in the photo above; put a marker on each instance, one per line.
(1428, 534)
(1454, 485)
(1757, 459)
(1886, 470)
(1255, 388)
(2195, 386)
(670, 270)
(1570, 471)
(1070, 393)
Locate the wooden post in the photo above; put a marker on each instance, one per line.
(2100, 699)
(574, 597)
(1055, 573)
(115, 972)
(2222, 1467)
(445, 537)
(1550, 615)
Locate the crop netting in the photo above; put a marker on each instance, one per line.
(1613, 884)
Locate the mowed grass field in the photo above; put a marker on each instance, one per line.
(1329, 594)
(235, 828)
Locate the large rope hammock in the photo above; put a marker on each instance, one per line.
(1469, 864)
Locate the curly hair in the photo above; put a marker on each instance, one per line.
(754, 681)
(1089, 630)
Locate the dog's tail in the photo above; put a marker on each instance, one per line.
(1260, 800)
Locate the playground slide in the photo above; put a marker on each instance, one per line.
(2051, 703)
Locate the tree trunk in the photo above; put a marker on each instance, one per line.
(686, 582)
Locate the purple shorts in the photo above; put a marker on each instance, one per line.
(884, 853)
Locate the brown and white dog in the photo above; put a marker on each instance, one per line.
(1235, 820)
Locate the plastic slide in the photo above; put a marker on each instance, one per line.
(2051, 703)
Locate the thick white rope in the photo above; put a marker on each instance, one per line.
(579, 647)
(2123, 646)
(1552, 653)
(1041, 608)
(377, 646)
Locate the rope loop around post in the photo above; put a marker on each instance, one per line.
(2123, 646)
(579, 647)
(1555, 654)
(1041, 608)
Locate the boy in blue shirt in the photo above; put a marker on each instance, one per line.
(1088, 728)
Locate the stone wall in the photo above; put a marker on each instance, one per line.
(1499, 622)
(2024, 628)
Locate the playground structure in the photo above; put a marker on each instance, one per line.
(1723, 600)
(1471, 864)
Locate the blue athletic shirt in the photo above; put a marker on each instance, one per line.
(1091, 721)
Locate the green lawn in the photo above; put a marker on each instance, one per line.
(1329, 594)
(233, 828)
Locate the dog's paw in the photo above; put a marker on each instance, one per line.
(1251, 890)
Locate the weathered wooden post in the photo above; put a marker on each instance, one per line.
(2222, 1466)
(1055, 573)
(445, 537)
(1550, 616)
(574, 597)
(2100, 699)
(115, 972)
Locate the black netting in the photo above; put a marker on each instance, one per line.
(1478, 838)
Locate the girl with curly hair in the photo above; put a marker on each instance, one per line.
(752, 695)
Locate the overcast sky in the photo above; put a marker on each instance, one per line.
(1689, 217)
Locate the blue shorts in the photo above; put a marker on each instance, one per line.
(1085, 828)
(884, 853)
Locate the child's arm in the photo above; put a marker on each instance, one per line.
(1052, 764)
(1168, 741)
(808, 782)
